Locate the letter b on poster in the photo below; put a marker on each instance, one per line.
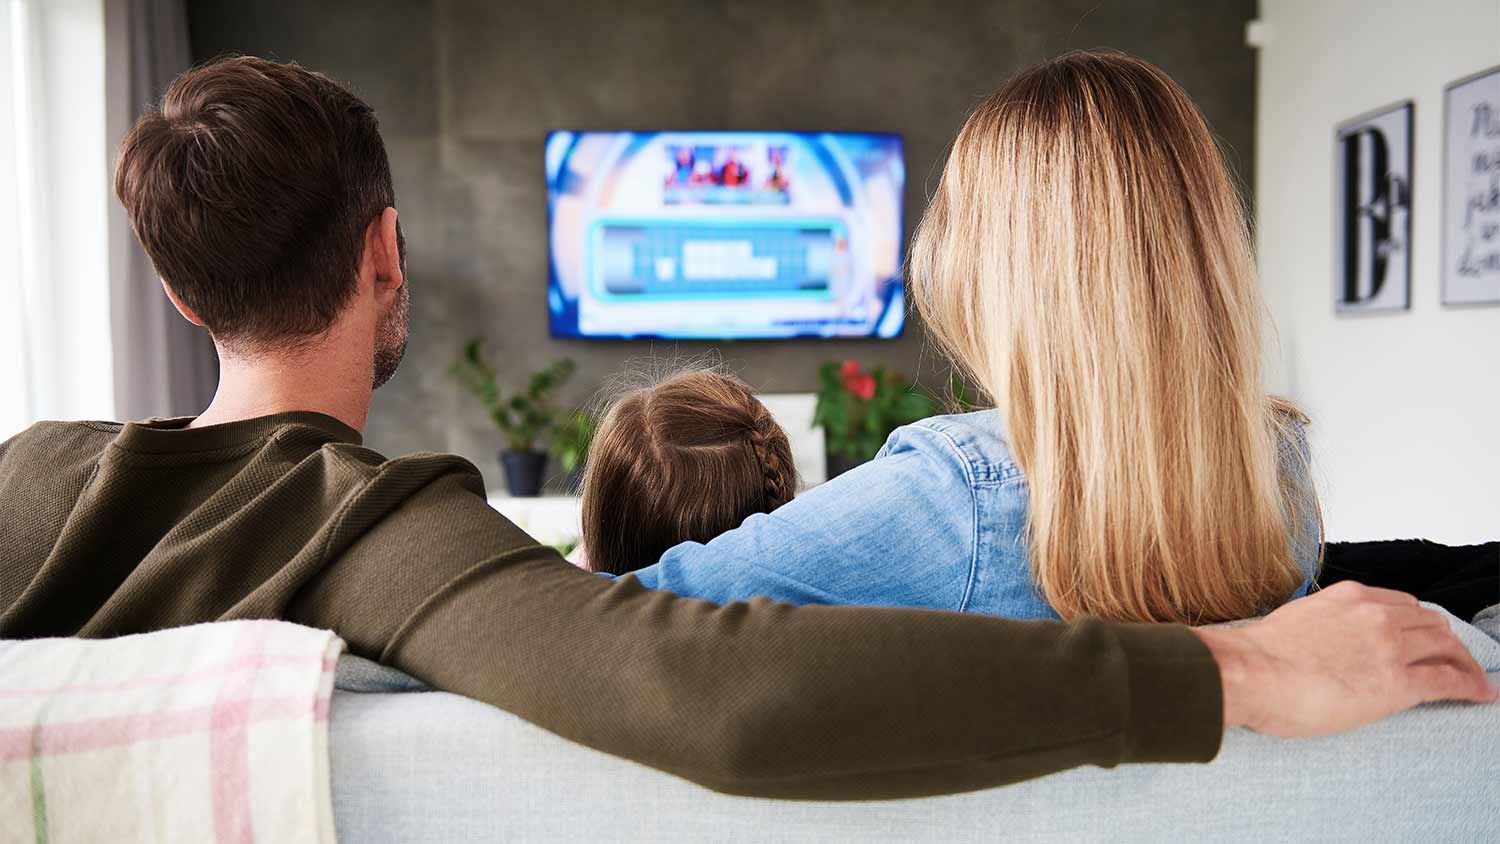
(1372, 212)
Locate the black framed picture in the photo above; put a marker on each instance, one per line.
(1471, 190)
(1372, 211)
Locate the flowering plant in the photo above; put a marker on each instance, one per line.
(858, 409)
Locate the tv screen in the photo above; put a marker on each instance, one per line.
(724, 235)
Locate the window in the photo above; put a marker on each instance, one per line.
(55, 357)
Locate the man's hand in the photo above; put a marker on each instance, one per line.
(1338, 659)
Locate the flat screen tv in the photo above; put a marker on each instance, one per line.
(724, 235)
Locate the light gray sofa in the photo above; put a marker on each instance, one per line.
(430, 766)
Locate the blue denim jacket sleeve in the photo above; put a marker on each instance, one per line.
(897, 531)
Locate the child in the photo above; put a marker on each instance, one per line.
(684, 460)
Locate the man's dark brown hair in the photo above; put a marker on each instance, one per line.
(251, 187)
(685, 460)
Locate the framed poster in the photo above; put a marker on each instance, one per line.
(1471, 190)
(1372, 211)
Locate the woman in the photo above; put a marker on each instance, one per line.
(1086, 261)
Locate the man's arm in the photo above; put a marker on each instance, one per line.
(814, 702)
(804, 702)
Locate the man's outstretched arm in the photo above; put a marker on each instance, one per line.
(813, 702)
(858, 703)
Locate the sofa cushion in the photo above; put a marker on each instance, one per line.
(438, 767)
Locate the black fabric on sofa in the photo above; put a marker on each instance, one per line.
(1463, 579)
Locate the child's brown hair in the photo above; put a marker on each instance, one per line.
(684, 460)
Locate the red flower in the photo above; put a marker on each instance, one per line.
(857, 381)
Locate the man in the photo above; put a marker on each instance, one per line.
(263, 195)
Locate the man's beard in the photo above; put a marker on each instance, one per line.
(390, 337)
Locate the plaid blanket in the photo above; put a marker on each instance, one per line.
(216, 732)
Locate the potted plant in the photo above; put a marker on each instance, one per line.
(524, 417)
(857, 410)
(570, 445)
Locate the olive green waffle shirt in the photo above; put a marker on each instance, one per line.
(109, 529)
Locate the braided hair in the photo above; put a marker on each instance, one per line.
(683, 460)
(773, 453)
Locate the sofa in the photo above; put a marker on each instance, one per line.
(410, 764)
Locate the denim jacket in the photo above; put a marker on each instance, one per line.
(936, 520)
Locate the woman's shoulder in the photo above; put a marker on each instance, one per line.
(974, 447)
(976, 440)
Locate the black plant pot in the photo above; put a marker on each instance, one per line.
(838, 464)
(523, 472)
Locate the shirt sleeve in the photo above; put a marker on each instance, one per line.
(896, 531)
(757, 698)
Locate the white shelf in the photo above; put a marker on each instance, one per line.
(550, 519)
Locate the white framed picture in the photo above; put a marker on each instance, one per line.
(1471, 190)
(1372, 211)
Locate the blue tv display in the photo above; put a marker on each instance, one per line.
(724, 235)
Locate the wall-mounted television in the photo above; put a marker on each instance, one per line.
(724, 235)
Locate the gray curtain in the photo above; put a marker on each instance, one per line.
(163, 365)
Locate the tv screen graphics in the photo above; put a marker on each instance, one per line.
(724, 235)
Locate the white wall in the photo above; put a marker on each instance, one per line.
(1405, 405)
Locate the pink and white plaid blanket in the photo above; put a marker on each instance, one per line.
(216, 732)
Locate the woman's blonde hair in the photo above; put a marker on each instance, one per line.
(1087, 261)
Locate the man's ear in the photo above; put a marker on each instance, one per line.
(383, 251)
(187, 313)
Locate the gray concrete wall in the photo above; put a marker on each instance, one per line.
(467, 89)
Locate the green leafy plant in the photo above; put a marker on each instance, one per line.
(524, 416)
(571, 439)
(857, 410)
